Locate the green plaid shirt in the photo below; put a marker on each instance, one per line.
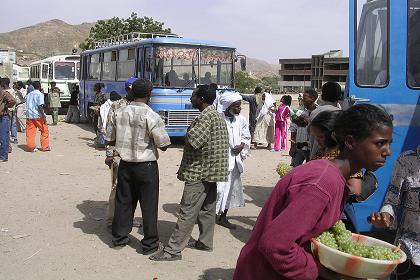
(205, 155)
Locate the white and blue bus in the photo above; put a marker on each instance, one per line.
(384, 69)
(173, 64)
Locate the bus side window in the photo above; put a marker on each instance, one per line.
(148, 63)
(372, 44)
(140, 62)
(126, 64)
(109, 65)
(413, 44)
(94, 67)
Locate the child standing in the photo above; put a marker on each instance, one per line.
(282, 115)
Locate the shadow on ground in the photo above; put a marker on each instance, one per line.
(217, 274)
(258, 194)
(94, 222)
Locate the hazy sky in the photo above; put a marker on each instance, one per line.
(265, 29)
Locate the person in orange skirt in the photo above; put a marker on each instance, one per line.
(36, 119)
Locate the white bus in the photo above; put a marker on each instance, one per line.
(20, 73)
(62, 69)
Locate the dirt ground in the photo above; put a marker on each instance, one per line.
(53, 208)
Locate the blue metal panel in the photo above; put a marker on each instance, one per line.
(399, 100)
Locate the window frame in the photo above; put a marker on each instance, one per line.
(407, 48)
(356, 47)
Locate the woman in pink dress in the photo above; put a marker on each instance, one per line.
(282, 115)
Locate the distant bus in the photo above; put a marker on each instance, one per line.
(173, 64)
(20, 73)
(62, 69)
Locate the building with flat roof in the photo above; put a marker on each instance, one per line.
(298, 74)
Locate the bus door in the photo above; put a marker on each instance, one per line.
(378, 75)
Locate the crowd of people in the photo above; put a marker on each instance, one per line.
(23, 108)
(339, 146)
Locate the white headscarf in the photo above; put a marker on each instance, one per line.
(268, 102)
(226, 99)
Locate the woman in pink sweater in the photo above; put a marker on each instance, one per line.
(282, 123)
(310, 199)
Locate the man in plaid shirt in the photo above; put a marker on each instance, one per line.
(137, 131)
(204, 162)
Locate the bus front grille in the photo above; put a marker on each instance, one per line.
(181, 117)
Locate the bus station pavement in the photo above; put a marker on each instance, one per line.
(53, 207)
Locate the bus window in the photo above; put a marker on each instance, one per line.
(372, 43)
(126, 64)
(64, 70)
(216, 67)
(94, 67)
(77, 70)
(109, 66)
(44, 71)
(148, 63)
(413, 44)
(174, 66)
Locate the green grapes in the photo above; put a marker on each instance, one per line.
(283, 169)
(338, 237)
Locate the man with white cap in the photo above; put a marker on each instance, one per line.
(230, 194)
(112, 156)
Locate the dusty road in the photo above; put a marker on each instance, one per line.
(53, 208)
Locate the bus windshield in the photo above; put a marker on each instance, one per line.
(178, 66)
(64, 70)
(216, 67)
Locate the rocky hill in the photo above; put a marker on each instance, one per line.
(44, 39)
(58, 37)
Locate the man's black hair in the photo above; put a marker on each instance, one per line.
(5, 82)
(331, 91)
(258, 90)
(114, 96)
(36, 85)
(20, 84)
(207, 92)
(141, 88)
(312, 93)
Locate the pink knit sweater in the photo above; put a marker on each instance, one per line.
(306, 202)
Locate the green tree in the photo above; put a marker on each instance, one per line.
(244, 83)
(272, 82)
(118, 26)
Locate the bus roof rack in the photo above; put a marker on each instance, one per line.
(131, 37)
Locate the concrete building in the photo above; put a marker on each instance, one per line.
(297, 74)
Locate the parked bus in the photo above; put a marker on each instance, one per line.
(384, 69)
(173, 64)
(62, 69)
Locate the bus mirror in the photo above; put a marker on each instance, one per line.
(243, 63)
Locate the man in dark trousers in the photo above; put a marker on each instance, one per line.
(6, 101)
(204, 162)
(137, 132)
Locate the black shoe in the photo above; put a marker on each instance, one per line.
(156, 250)
(165, 257)
(198, 246)
(117, 246)
(223, 221)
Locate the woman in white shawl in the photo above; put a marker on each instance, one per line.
(264, 130)
(230, 194)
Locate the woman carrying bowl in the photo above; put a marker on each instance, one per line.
(310, 199)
